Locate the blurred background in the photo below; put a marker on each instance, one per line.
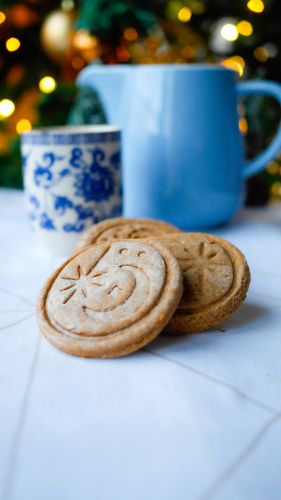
(44, 45)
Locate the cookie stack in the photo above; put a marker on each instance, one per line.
(130, 279)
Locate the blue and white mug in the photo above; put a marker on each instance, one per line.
(72, 179)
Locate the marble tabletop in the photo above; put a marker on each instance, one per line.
(194, 417)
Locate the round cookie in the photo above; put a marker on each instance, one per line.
(123, 228)
(110, 299)
(216, 278)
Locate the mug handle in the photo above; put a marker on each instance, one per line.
(272, 89)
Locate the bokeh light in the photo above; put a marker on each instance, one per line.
(236, 63)
(184, 14)
(130, 34)
(83, 40)
(229, 32)
(7, 108)
(12, 44)
(47, 84)
(273, 167)
(245, 28)
(2, 17)
(23, 125)
(261, 54)
(122, 54)
(256, 6)
(243, 125)
(67, 5)
(276, 188)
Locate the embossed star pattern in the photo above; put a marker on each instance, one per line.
(81, 282)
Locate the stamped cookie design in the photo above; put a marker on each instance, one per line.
(123, 228)
(110, 299)
(216, 279)
(209, 271)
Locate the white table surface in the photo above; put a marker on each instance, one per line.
(190, 417)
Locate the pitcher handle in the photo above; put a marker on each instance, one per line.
(272, 89)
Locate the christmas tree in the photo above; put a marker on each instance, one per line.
(45, 44)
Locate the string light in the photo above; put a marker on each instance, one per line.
(237, 63)
(23, 125)
(12, 44)
(184, 14)
(7, 108)
(47, 84)
(243, 126)
(245, 28)
(261, 54)
(229, 32)
(256, 6)
(130, 34)
(2, 17)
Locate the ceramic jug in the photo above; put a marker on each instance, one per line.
(183, 158)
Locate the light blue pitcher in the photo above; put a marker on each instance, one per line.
(182, 149)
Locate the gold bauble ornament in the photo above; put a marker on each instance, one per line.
(56, 34)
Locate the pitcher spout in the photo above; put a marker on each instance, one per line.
(108, 81)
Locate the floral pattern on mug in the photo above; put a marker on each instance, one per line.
(94, 182)
(71, 191)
